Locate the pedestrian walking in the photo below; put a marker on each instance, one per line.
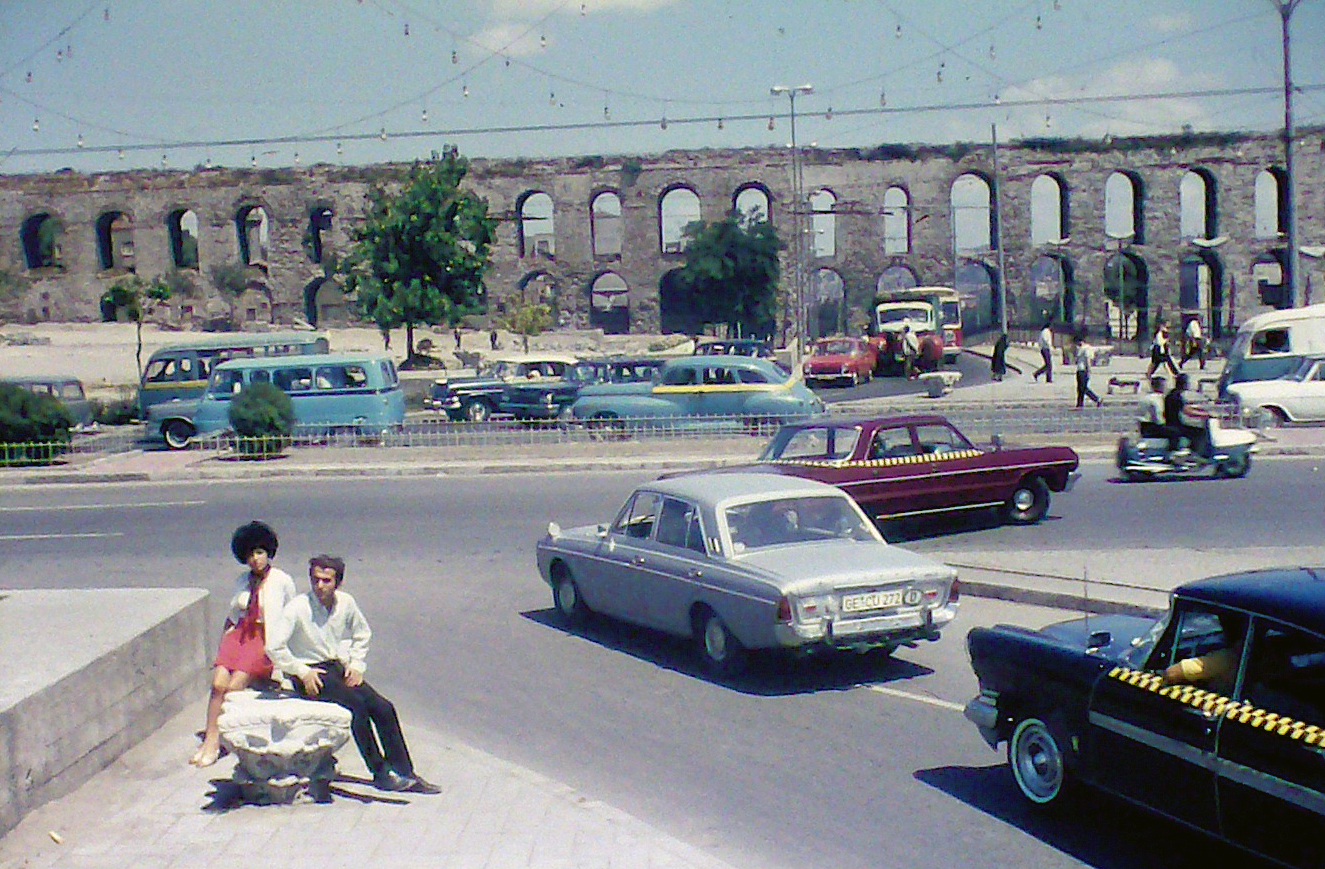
(322, 641)
(1082, 354)
(492, 339)
(1046, 343)
(457, 337)
(998, 363)
(1159, 350)
(910, 350)
(1193, 343)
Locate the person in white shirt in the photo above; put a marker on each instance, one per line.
(1150, 411)
(1194, 343)
(322, 642)
(910, 349)
(1083, 353)
(1046, 353)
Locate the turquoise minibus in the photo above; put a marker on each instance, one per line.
(178, 372)
(330, 392)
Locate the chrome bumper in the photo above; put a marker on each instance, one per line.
(1071, 481)
(982, 711)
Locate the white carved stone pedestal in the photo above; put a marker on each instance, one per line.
(283, 746)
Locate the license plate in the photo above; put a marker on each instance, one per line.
(871, 600)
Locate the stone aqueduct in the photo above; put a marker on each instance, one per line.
(1196, 221)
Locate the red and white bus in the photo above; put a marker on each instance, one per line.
(947, 304)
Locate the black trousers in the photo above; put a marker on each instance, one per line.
(1047, 369)
(1083, 388)
(373, 719)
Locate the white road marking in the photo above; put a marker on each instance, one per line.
(58, 536)
(919, 698)
(103, 506)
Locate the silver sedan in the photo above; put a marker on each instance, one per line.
(748, 561)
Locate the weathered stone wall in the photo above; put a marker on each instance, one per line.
(286, 285)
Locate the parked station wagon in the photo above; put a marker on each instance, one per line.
(692, 390)
(749, 561)
(917, 465)
(1213, 716)
(64, 388)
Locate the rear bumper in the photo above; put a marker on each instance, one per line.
(884, 630)
(982, 711)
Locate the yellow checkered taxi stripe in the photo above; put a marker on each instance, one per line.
(1218, 704)
(880, 463)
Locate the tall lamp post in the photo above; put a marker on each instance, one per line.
(1286, 8)
(1120, 243)
(797, 253)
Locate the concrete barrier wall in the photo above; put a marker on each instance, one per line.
(86, 674)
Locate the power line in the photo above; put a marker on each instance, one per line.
(651, 122)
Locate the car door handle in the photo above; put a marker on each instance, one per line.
(694, 573)
(638, 559)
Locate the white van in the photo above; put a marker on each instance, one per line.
(1273, 345)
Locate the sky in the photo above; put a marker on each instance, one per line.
(124, 84)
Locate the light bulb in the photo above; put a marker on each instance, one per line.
(80, 140)
(770, 122)
(719, 123)
(455, 56)
(828, 115)
(36, 125)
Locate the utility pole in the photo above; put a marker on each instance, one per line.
(1291, 296)
(798, 236)
(998, 223)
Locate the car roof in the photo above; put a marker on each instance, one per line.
(242, 339)
(302, 359)
(516, 359)
(871, 421)
(705, 488)
(39, 378)
(1294, 595)
(729, 361)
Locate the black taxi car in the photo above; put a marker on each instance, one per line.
(1214, 715)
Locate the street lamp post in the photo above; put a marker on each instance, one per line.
(798, 240)
(1120, 242)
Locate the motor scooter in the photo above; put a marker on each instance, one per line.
(1226, 452)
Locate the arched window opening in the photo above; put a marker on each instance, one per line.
(1052, 297)
(609, 304)
(826, 307)
(1126, 287)
(605, 225)
(537, 230)
(319, 223)
(252, 226)
(896, 221)
(41, 242)
(183, 228)
(897, 277)
(1200, 290)
(1049, 217)
(115, 241)
(1271, 203)
(751, 203)
(978, 287)
(1196, 198)
(678, 208)
(1124, 207)
(972, 214)
(823, 224)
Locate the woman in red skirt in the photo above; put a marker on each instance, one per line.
(261, 593)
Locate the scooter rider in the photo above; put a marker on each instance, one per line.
(1150, 411)
(1183, 420)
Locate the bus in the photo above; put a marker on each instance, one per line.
(178, 372)
(947, 305)
(359, 392)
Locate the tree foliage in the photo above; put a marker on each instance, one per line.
(137, 298)
(731, 271)
(420, 254)
(33, 427)
(527, 319)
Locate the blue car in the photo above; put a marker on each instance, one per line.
(699, 391)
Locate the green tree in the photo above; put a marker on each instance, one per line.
(420, 254)
(263, 417)
(527, 319)
(732, 270)
(33, 428)
(137, 298)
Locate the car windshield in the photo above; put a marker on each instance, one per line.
(825, 348)
(807, 519)
(812, 442)
(897, 315)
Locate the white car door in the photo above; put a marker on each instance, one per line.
(1308, 403)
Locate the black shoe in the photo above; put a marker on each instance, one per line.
(390, 780)
(420, 785)
(320, 791)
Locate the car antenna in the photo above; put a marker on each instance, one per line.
(1085, 599)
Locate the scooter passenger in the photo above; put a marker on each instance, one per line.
(1183, 419)
(1150, 411)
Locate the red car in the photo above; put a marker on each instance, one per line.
(849, 361)
(920, 464)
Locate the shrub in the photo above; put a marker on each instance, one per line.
(33, 428)
(263, 417)
(116, 411)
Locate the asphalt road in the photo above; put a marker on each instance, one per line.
(973, 369)
(847, 762)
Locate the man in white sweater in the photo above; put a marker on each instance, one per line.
(322, 641)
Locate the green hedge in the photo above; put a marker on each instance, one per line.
(263, 418)
(34, 429)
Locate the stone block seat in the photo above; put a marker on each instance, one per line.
(284, 745)
(939, 383)
(1121, 383)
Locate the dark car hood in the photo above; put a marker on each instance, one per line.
(1122, 629)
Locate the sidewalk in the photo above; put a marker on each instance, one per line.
(150, 809)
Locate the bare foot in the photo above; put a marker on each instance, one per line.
(207, 757)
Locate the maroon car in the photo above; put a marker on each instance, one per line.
(920, 464)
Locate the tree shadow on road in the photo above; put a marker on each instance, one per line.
(768, 673)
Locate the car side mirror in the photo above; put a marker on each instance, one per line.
(602, 531)
(1098, 640)
(997, 441)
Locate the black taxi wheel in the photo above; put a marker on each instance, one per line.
(477, 410)
(177, 433)
(1028, 502)
(1037, 763)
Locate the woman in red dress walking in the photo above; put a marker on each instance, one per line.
(261, 593)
